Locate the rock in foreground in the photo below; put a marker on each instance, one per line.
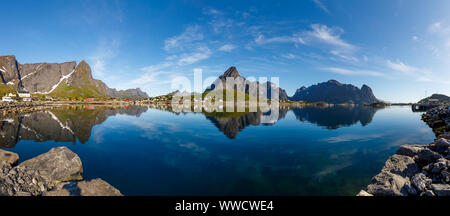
(95, 187)
(59, 164)
(55, 173)
(415, 170)
(10, 158)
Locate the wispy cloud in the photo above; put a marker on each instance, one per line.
(106, 50)
(321, 6)
(281, 39)
(439, 27)
(407, 69)
(191, 34)
(331, 36)
(201, 54)
(227, 48)
(419, 74)
(344, 71)
(343, 56)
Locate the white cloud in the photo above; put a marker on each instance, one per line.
(439, 27)
(344, 57)
(415, 38)
(330, 36)
(106, 50)
(321, 6)
(227, 47)
(157, 67)
(261, 40)
(212, 11)
(419, 74)
(366, 59)
(344, 71)
(402, 67)
(201, 54)
(407, 69)
(191, 34)
(290, 56)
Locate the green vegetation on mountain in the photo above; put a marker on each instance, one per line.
(5, 89)
(442, 98)
(69, 92)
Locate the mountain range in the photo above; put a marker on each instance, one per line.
(332, 91)
(68, 79)
(72, 80)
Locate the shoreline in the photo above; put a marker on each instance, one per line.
(418, 170)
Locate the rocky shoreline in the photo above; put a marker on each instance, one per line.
(23, 107)
(418, 170)
(438, 119)
(55, 173)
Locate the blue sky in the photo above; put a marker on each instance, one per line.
(399, 48)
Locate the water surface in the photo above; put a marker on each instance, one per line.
(147, 151)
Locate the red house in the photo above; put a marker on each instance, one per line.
(90, 99)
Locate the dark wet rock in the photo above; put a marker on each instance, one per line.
(442, 145)
(59, 164)
(95, 187)
(428, 193)
(427, 156)
(401, 165)
(409, 150)
(441, 189)
(421, 182)
(8, 157)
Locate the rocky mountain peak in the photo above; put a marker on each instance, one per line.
(59, 79)
(230, 72)
(332, 81)
(335, 92)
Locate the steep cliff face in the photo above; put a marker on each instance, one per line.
(241, 84)
(335, 92)
(59, 79)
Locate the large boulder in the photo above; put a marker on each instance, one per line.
(442, 145)
(389, 184)
(58, 165)
(401, 165)
(409, 150)
(427, 156)
(10, 158)
(95, 187)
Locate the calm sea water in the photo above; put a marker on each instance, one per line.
(145, 151)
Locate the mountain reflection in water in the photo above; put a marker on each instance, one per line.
(60, 125)
(69, 124)
(332, 117)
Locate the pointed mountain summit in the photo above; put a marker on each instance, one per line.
(244, 85)
(334, 92)
(230, 72)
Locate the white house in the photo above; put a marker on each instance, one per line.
(7, 99)
(24, 94)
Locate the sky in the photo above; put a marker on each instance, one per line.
(401, 49)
